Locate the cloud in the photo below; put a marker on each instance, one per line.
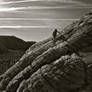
(62, 1)
(12, 19)
(25, 27)
(8, 9)
(72, 4)
(12, 2)
(11, 9)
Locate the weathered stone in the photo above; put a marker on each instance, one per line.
(49, 68)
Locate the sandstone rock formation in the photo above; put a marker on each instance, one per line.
(63, 67)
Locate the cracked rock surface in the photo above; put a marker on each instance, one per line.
(64, 67)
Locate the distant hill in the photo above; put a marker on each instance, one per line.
(11, 50)
(13, 43)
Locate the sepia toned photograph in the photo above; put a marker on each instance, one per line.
(45, 45)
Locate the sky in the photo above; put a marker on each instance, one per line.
(35, 20)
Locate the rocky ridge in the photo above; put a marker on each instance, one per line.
(63, 67)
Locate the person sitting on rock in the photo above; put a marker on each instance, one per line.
(54, 34)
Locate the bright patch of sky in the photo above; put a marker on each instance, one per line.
(36, 19)
(75, 4)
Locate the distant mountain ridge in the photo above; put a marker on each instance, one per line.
(13, 43)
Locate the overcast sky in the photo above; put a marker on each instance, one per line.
(36, 19)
